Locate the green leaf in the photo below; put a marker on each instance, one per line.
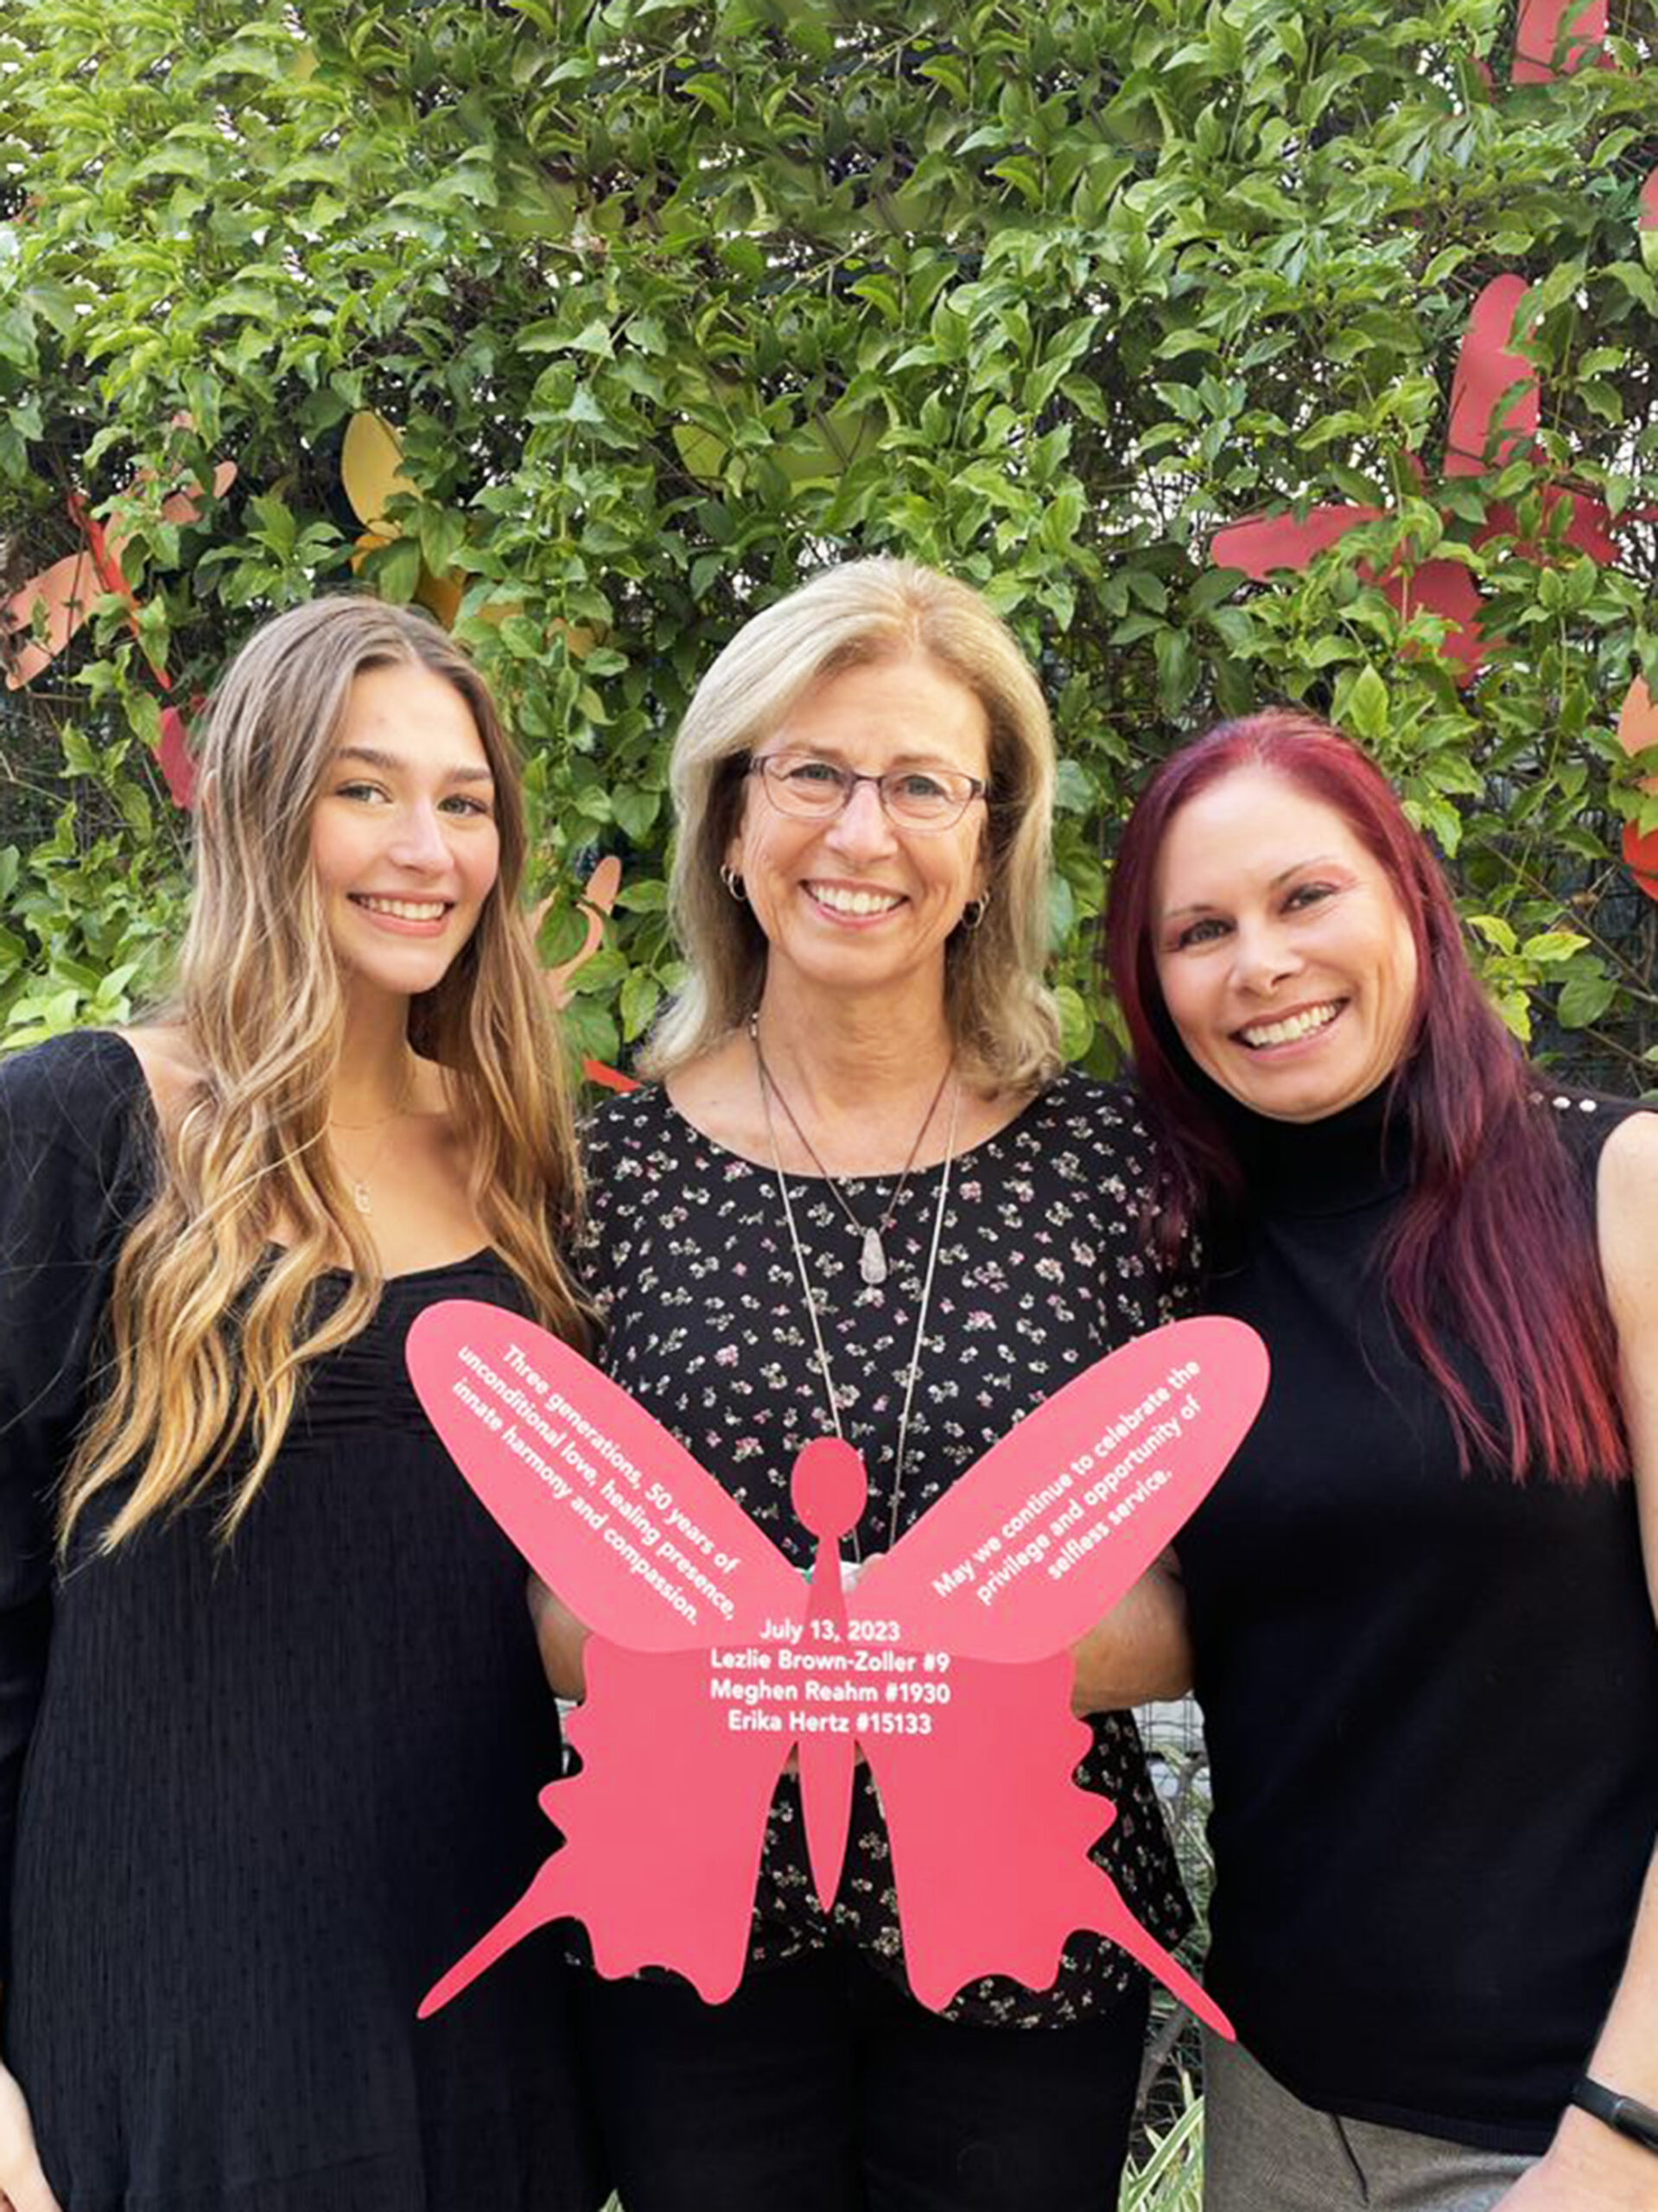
(592, 1032)
(640, 996)
(1076, 1022)
(1365, 709)
(635, 812)
(712, 92)
(1554, 944)
(1495, 931)
(1177, 669)
(1584, 997)
(599, 976)
(135, 810)
(1636, 282)
(394, 569)
(584, 407)
(79, 758)
(1210, 590)
(702, 453)
(442, 533)
(563, 933)
(1440, 819)
(1073, 791)
(945, 70)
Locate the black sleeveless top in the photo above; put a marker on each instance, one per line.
(1430, 1699)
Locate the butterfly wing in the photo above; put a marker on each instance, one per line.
(665, 1821)
(611, 1510)
(66, 591)
(1542, 24)
(975, 1746)
(1495, 395)
(1043, 1534)
(990, 1839)
(664, 1825)
(1261, 544)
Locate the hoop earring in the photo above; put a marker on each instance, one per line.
(972, 912)
(734, 884)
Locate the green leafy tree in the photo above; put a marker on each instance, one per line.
(669, 303)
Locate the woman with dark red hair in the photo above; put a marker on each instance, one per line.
(1421, 1601)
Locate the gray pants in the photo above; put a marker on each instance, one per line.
(1264, 2150)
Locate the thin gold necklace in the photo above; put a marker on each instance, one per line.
(360, 1197)
(823, 1367)
(872, 1256)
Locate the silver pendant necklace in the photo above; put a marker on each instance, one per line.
(823, 1367)
(872, 1250)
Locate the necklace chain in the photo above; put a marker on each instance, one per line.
(361, 1197)
(872, 1259)
(824, 1368)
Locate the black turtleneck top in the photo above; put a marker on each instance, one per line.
(1431, 1697)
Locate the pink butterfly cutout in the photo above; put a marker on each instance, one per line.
(947, 1668)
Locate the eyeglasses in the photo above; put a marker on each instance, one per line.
(810, 789)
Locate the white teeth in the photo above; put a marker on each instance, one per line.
(854, 902)
(1297, 1024)
(406, 909)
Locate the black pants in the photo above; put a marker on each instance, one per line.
(821, 2087)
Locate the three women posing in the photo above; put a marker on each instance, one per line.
(281, 1710)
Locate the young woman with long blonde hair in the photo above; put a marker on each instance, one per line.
(271, 1718)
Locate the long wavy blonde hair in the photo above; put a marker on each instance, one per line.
(1000, 1012)
(210, 1331)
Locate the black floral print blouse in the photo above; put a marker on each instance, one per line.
(1040, 1272)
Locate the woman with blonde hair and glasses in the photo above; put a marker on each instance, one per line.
(271, 1717)
(863, 1196)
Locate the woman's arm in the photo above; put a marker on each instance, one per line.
(563, 1639)
(23, 2183)
(1139, 1650)
(1589, 2167)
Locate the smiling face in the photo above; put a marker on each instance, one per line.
(403, 837)
(1284, 957)
(856, 902)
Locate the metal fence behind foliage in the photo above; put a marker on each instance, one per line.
(1174, 1742)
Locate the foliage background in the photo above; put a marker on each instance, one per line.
(670, 302)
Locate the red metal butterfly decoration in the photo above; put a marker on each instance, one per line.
(1495, 408)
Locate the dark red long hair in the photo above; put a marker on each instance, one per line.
(1494, 1247)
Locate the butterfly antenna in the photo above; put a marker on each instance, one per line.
(1116, 1921)
(534, 1909)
